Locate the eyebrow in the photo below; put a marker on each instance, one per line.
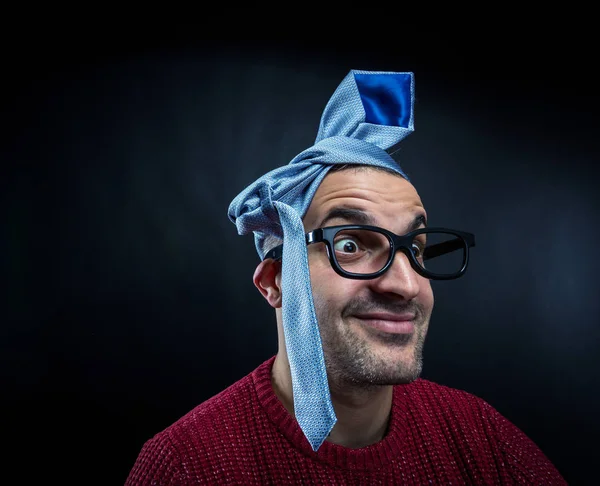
(358, 216)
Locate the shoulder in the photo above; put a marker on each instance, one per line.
(478, 424)
(225, 417)
(458, 401)
(423, 390)
(215, 415)
(190, 446)
(442, 405)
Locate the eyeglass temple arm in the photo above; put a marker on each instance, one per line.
(311, 237)
(442, 248)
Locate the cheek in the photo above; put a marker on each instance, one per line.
(332, 289)
(426, 293)
(319, 268)
(328, 287)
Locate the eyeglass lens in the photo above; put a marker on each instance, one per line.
(364, 251)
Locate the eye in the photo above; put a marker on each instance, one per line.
(417, 249)
(346, 245)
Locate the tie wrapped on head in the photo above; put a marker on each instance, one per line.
(366, 117)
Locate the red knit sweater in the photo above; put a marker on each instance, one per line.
(437, 435)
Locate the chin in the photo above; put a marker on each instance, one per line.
(399, 368)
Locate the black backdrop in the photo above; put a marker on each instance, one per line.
(129, 295)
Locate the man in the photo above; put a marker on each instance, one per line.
(346, 262)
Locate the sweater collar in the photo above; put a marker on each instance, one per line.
(368, 457)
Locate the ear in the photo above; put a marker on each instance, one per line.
(267, 279)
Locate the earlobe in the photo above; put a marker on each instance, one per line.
(267, 279)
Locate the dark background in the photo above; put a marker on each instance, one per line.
(129, 295)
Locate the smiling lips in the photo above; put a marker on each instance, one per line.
(391, 323)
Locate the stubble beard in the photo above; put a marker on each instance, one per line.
(349, 355)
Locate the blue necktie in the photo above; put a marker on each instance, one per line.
(363, 122)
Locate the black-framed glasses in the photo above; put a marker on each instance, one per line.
(366, 252)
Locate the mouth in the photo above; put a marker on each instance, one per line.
(389, 323)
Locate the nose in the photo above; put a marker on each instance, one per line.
(400, 279)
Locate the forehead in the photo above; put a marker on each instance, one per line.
(388, 198)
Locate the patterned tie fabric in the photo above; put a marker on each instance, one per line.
(363, 122)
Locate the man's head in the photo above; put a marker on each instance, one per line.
(364, 121)
(365, 341)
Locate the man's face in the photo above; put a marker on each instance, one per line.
(365, 341)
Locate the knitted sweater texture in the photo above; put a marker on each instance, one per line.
(437, 435)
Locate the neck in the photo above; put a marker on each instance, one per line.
(362, 414)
